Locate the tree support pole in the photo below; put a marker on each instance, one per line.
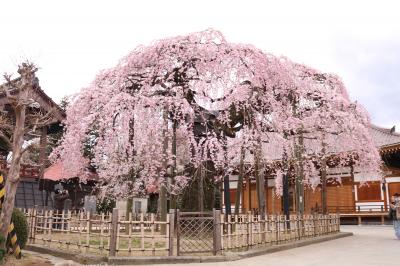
(240, 182)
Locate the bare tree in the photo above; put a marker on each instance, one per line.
(22, 117)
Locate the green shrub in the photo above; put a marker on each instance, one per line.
(21, 227)
(105, 205)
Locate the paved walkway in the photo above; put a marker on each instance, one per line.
(370, 245)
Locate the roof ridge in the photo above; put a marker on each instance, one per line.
(384, 130)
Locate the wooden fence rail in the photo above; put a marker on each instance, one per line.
(247, 230)
(141, 235)
(109, 234)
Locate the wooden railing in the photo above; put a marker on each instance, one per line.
(359, 208)
(111, 234)
(245, 231)
(147, 235)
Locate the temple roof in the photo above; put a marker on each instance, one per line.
(386, 140)
(384, 136)
(39, 96)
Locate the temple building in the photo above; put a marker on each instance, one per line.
(33, 189)
(350, 198)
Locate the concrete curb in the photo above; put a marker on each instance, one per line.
(68, 255)
(228, 256)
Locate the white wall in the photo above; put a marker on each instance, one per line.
(121, 205)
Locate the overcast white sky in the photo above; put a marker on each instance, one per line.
(72, 40)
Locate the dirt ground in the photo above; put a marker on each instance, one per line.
(27, 260)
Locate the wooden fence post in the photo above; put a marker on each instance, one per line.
(171, 236)
(177, 233)
(113, 233)
(248, 229)
(217, 232)
(30, 219)
(34, 222)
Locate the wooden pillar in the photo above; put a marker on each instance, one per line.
(217, 244)
(240, 182)
(286, 200)
(113, 233)
(323, 190)
(248, 181)
(227, 195)
(171, 235)
(42, 151)
(42, 162)
(200, 181)
(260, 182)
(163, 207)
(163, 189)
(174, 168)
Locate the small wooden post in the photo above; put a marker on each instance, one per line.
(217, 232)
(34, 222)
(80, 220)
(248, 229)
(113, 233)
(314, 224)
(102, 232)
(236, 227)
(177, 232)
(251, 228)
(141, 232)
(171, 235)
(50, 218)
(30, 224)
(229, 230)
(88, 230)
(130, 233)
(69, 227)
(152, 222)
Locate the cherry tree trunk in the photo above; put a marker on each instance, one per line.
(300, 177)
(201, 188)
(323, 177)
(240, 181)
(285, 189)
(227, 194)
(260, 184)
(174, 168)
(14, 172)
(163, 190)
(323, 187)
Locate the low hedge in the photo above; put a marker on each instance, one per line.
(21, 227)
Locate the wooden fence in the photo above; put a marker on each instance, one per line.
(146, 235)
(246, 230)
(110, 234)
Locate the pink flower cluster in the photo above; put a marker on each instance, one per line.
(122, 124)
